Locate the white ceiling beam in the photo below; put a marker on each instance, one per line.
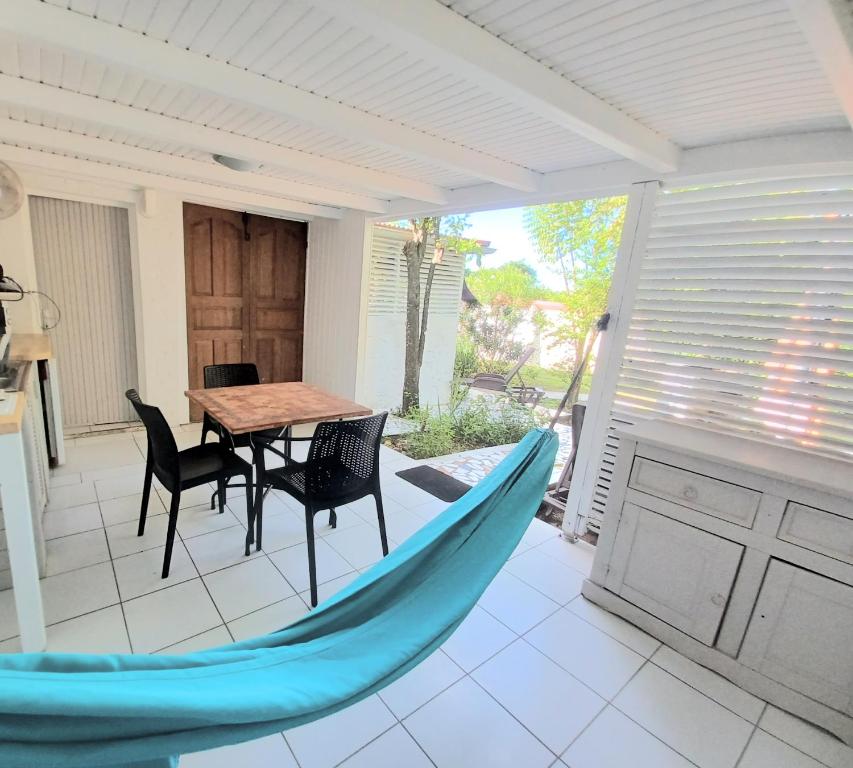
(29, 134)
(799, 155)
(77, 106)
(192, 191)
(68, 30)
(438, 34)
(828, 27)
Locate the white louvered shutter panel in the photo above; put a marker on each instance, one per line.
(743, 318)
(388, 275)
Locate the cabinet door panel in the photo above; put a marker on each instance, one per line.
(800, 634)
(676, 572)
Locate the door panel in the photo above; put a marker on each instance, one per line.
(678, 573)
(277, 299)
(213, 246)
(245, 293)
(800, 634)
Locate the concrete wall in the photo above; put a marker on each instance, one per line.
(385, 360)
(157, 248)
(334, 295)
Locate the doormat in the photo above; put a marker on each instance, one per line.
(439, 484)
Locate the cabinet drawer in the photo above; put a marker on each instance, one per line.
(800, 634)
(704, 494)
(818, 530)
(676, 572)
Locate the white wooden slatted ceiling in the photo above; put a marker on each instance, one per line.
(699, 71)
(743, 318)
(695, 71)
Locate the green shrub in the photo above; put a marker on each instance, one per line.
(476, 423)
(466, 363)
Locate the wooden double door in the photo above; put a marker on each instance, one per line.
(245, 279)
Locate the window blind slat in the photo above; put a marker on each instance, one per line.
(743, 317)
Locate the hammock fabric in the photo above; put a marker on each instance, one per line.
(128, 711)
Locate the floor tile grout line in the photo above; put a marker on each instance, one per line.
(367, 744)
(206, 589)
(505, 709)
(758, 727)
(585, 728)
(699, 690)
(417, 743)
(745, 747)
(435, 695)
(612, 703)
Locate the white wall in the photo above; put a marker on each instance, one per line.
(385, 360)
(334, 294)
(157, 248)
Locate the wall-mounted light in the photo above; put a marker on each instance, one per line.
(236, 163)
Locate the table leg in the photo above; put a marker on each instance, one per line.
(23, 561)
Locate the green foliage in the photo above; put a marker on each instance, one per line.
(466, 363)
(491, 329)
(469, 424)
(578, 240)
(512, 285)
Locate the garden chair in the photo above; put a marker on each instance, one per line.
(342, 467)
(235, 375)
(181, 470)
(497, 382)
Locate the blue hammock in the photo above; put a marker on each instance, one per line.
(80, 711)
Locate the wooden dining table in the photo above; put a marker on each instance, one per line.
(259, 407)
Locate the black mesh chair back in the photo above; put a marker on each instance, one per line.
(231, 375)
(343, 458)
(227, 375)
(161, 441)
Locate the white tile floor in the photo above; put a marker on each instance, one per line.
(536, 677)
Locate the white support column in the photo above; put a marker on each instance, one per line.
(638, 216)
(20, 540)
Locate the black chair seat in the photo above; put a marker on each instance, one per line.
(205, 463)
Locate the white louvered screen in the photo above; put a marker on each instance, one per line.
(388, 275)
(743, 318)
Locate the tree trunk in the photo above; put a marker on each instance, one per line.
(425, 314)
(411, 376)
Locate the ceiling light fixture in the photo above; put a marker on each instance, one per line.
(236, 163)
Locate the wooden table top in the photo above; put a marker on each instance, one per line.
(268, 406)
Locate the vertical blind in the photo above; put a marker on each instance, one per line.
(743, 317)
(82, 256)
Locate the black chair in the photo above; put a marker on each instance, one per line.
(181, 470)
(233, 375)
(342, 467)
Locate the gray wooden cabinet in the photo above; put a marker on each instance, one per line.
(739, 554)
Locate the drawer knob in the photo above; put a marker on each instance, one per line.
(690, 493)
(718, 599)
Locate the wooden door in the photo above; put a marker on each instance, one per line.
(245, 278)
(276, 294)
